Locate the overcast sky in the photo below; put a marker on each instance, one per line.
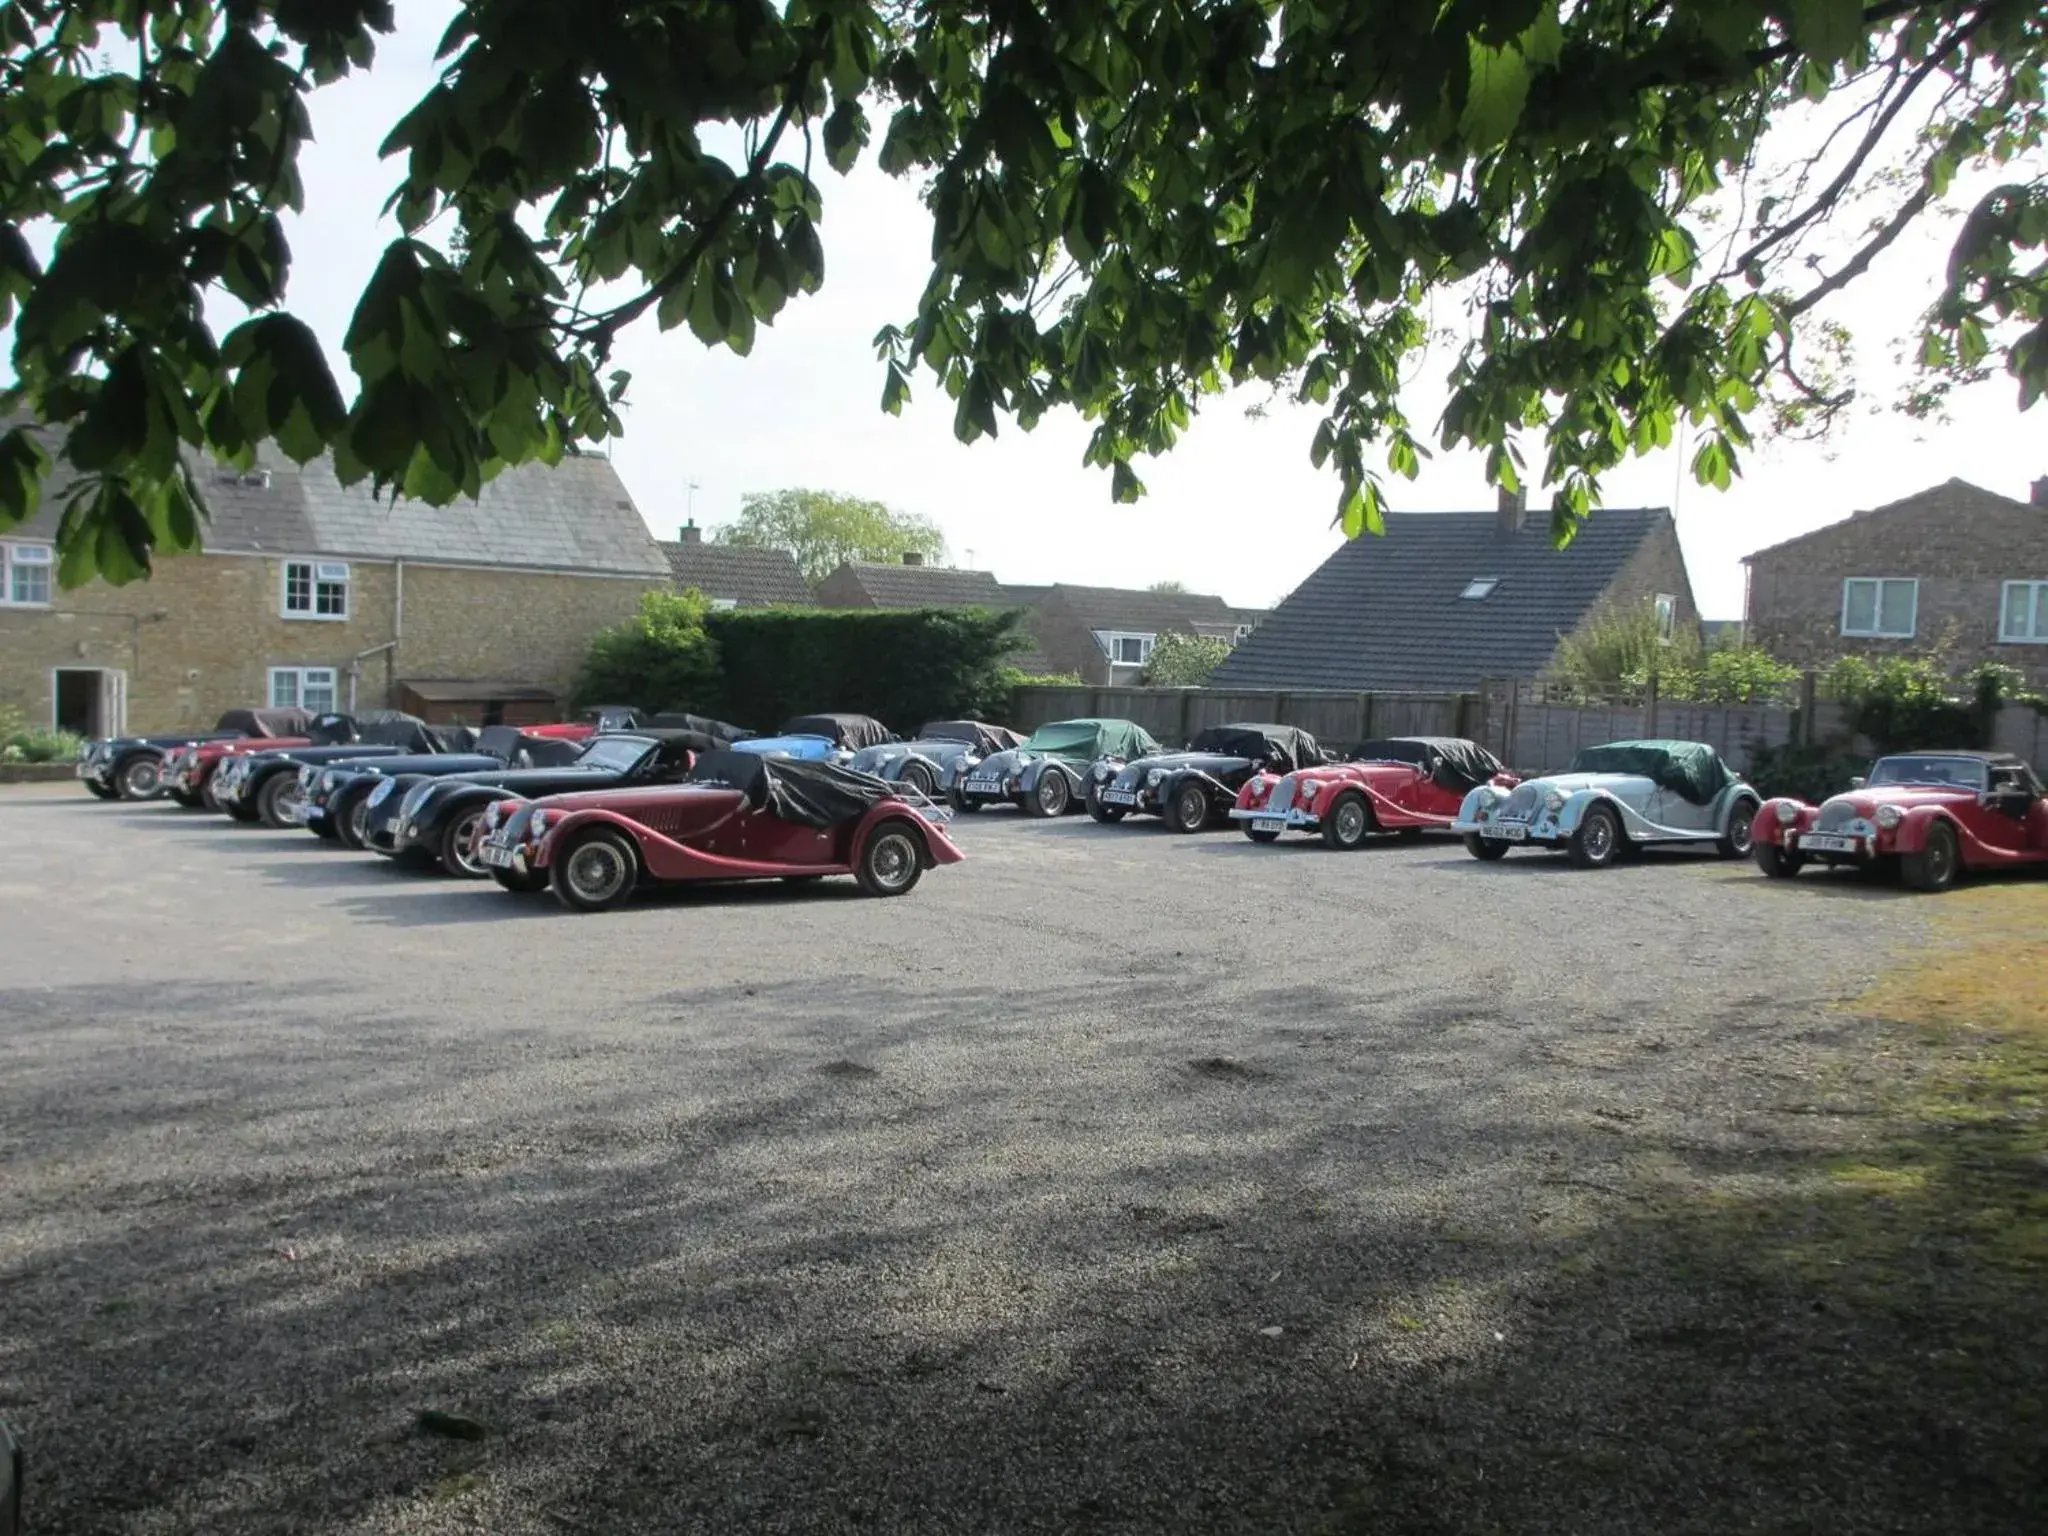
(1235, 509)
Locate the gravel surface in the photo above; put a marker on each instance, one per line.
(1112, 1180)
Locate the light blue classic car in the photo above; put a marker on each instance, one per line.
(819, 738)
(939, 754)
(1615, 800)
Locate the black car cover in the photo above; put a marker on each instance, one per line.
(511, 745)
(1452, 761)
(269, 723)
(849, 731)
(1260, 743)
(1691, 770)
(986, 739)
(808, 794)
(411, 735)
(703, 725)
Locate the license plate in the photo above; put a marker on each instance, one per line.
(496, 855)
(985, 786)
(1829, 842)
(1269, 824)
(85, 770)
(1118, 797)
(1505, 834)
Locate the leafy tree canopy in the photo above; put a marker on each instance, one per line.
(823, 530)
(1134, 204)
(1184, 661)
(1167, 586)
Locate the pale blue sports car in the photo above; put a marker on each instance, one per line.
(1613, 801)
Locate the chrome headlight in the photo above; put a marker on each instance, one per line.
(1554, 803)
(329, 779)
(308, 777)
(1153, 777)
(1889, 816)
(1787, 813)
(538, 824)
(491, 818)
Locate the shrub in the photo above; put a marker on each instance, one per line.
(1805, 773)
(903, 667)
(660, 658)
(1902, 703)
(1619, 648)
(1184, 661)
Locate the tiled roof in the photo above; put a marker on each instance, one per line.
(1386, 612)
(927, 586)
(1125, 608)
(574, 517)
(753, 578)
(1953, 498)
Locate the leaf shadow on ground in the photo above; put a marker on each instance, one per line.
(913, 1277)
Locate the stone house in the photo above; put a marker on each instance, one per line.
(1105, 635)
(313, 593)
(734, 576)
(1444, 600)
(1954, 571)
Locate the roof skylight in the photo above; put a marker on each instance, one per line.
(1480, 586)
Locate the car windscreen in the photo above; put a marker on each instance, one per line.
(614, 754)
(1969, 773)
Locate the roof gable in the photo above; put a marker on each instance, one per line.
(754, 578)
(924, 586)
(1387, 612)
(1133, 610)
(1953, 499)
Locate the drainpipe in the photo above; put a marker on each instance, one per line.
(397, 630)
(355, 668)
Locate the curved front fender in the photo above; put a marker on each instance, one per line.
(1769, 830)
(1575, 809)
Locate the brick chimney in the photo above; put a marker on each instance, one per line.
(912, 557)
(690, 533)
(1514, 509)
(2040, 495)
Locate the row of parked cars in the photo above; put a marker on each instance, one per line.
(598, 807)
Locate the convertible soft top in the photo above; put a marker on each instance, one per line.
(268, 723)
(1691, 769)
(849, 731)
(984, 738)
(1257, 742)
(417, 736)
(1452, 761)
(511, 745)
(810, 794)
(703, 725)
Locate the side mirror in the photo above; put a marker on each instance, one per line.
(1858, 782)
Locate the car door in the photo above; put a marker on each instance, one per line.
(2006, 818)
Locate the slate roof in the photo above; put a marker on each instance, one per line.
(753, 578)
(574, 517)
(1953, 498)
(1126, 608)
(1385, 613)
(927, 586)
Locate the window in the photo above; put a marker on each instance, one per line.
(2023, 617)
(315, 589)
(724, 604)
(1880, 608)
(1479, 587)
(1667, 616)
(1126, 650)
(310, 688)
(25, 575)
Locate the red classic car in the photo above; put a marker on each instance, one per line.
(1403, 784)
(188, 769)
(1936, 814)
(737, 816)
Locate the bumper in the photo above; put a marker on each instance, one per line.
(1293, 819)
(495, 853)
(1837, 847)
(1516, 834)
(983, 796)
(1133, 802)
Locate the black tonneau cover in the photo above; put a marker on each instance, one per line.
(703, 725)
(986, 739)
(269, 723)
(849, 731)
(1256, 743)
(511, 745)
(818, 795)
(1452, 761)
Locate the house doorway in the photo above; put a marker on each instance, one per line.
(89, 701)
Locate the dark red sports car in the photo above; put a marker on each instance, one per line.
(738, 816)
(1402, 784)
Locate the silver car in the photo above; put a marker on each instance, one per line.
(1615, 800)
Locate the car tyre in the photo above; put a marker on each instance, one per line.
(596, 872)
(891, 860)
(1774, 860)
(1260, 837)
(918, 777)
(1937, 862)
(242, 811)
(1486, 849)
(458, 845)
(140, 778)
(1188, 810)
(520, 883)
(279, 791)
(100, 791)
(186, 799)
(1108, 815)
(1741, 831)
(1348, 822)
(1051, 797)
(963, 805)
(351, 821)
(1598, 842)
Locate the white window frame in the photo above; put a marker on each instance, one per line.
(300, 677)
(1666, 605)
(1112, 638)
(1479, 588)
(1877, 631)
(724, 604)
(319, 574)
(2037, 605)
(35, 557)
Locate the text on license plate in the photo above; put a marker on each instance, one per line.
(496, 855)
(1269, 823)
(985, 786)
(1829, 842)
(1505, 831)
(1118, 797)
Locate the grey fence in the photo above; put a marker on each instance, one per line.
(1174, 715)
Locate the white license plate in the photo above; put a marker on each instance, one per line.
(985, 786)
(1269, 824)
(1118, 797)
(1507, 833)
(1829, 842)
(496, 855)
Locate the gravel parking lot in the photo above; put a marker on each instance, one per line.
(1113, 1180)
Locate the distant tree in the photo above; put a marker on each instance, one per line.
(1184, 661)
(823, 530)
(1167, 586)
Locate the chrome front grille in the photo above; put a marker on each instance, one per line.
(1283, 797)
(1835, 816)
(1521, 805)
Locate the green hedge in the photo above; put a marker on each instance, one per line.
(901, 667)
